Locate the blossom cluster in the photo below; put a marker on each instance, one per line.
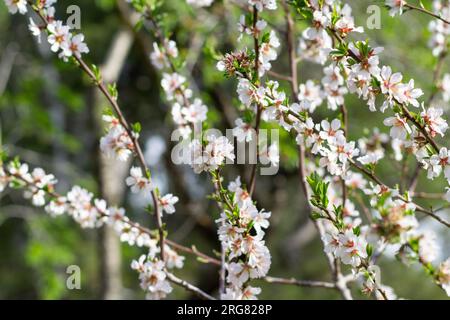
(267, 49)
(116, 143)
(344, 237)
(359, 65)
(59, 36)
(354, 67)
(152, 272)
(241, 233)
(440, 31)
(186, 114)
(90, 212)
(139, 183)
(211, 156)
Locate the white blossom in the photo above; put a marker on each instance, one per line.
(399, 127)
(311, 93)
(428, 248)
(443, 276)
(243, 131)
(74, 46)
(167, 202)
(137, 182)
(59, 35)
(396, 7)
(15, 6)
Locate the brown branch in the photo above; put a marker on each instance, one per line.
(419, 126)
(252, 180)
(423, 10)
(419, 208)
(301, 283)
(133, 224)
(189, 286)
(337, 275)
(427, 195)
(137, 148)
(218, 189)
(279, 76)
(405, 110)
(344, 115)
(291, 50)
(436, 76)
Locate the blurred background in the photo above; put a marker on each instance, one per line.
(50, 117)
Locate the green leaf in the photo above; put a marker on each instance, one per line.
(112, 89)
(137, 127)
(316, 215)
(357, 231)
(97, 73)
(369, 250)
(266, 37)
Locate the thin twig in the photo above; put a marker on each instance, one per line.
(419, 208)
(252, 180)
(405, 110)
(423, 10)
(437, 75)
(337, 275)
(189, 287)
(279, 75)
(301, 283)
(137, 148)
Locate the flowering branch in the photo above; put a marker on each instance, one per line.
(340, 165)
(373, 177)
(95, 76)
(255, 81)
(338, 284)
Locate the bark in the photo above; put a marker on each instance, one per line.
(112, 174)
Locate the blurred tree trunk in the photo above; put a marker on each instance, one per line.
(112, 174)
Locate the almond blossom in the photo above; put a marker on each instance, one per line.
(443, 276)
(35, 30)
(137, 182)
(173, 84)
(243, 131)
(445, 87)
(428, 249)
(438, 163)
(167, 202)
(263, 4)
(59, 35)
(352, 248)
(434, 121)
(339, 193)
(74, 46)
(310, 92)
(153, 278)
(268, 52)
(15, 6)
(399, 127)
(396, 6)
(248, 94)
(409, 94)
(330, 131)
(390, 85)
